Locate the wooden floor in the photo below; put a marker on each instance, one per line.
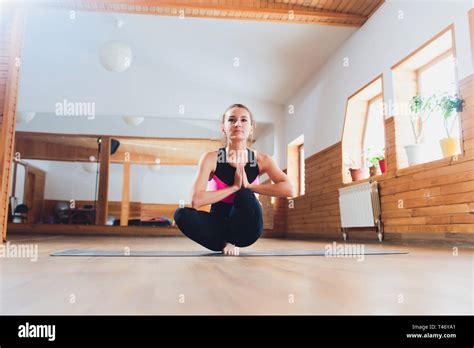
(429, 280)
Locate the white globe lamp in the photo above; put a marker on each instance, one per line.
(89, 167)
(115, 56)
(25, 116)
(133, 121)
(155, 167)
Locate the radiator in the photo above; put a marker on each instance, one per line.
(359, 206)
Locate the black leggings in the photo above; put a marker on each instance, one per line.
(242, 227)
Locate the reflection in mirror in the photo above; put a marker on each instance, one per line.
(147, 178)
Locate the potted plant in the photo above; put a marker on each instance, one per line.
(372, 161)
(354, 169)
(421, 108)
(381, 161)
(356, 174)
(449, 106)
(377, 161)
(370, 164)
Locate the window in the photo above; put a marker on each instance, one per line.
(429, 71)
(438, 77)
(295, 165)
(363, 138)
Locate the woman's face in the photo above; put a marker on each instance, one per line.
(237, 124)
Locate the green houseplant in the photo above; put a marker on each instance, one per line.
(449, 107)
(378, 161)
(374, 162)
(421, 108)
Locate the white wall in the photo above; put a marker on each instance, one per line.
(380, 43)
(175, 61)
(167, 186)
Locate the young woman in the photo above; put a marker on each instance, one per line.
(231, 174)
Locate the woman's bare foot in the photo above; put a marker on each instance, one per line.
(230, 249)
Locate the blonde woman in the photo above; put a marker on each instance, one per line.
(231, 176)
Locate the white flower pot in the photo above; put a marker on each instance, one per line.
(415, 153)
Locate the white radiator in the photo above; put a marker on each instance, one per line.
(360, 207)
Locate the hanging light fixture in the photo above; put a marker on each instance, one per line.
(114, 55)
(155, 167)
(133, 121)
(25, 116)
(90, 166)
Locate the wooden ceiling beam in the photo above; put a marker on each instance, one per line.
(258, 10)
(78, 148)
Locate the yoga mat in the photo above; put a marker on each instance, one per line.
(163, 253)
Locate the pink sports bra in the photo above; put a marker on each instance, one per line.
(224, 174)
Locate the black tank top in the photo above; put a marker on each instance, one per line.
(224, 176)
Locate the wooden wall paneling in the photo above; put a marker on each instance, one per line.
(430, 201)
(137, 210)
(466, 91)
(318, 210)
(391, 164)
(156, 210)
(268, 211)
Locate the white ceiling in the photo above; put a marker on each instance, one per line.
(173, 59)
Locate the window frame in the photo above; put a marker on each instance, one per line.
(432, 62)
(294, 163)
(301, 168)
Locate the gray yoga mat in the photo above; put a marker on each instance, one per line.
(163, 253)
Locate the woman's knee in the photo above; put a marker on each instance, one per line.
(180, 215)
(245, 199)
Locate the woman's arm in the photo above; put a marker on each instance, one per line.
(282, 186)
(278, 189)
(208, 197)
(199, 195)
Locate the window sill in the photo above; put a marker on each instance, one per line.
(430, 165)
(295, 197)
(369, 179)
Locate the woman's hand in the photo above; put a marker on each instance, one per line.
(238, 179)
(245, 181)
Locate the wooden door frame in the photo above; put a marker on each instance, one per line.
(13, 21)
